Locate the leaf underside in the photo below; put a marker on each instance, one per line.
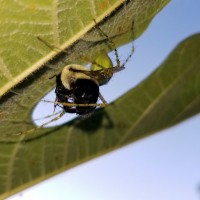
(168, 96)
(126, 21)
(171, 94)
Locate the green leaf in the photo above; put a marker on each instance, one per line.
(22, 53)
(26, 65)
(170, 95)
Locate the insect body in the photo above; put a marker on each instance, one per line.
(75, 86)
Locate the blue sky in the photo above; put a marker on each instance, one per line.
(165, 166)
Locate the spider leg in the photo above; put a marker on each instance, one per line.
(132, 48)
(42, 126)
(102, 99)
(48, 116)
(129, 56)
(54, 48)
(56, 99)
(75, 104)
(110, 43)
(52, 120)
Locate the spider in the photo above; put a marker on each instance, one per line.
(77, 87)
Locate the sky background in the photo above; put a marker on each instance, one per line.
(165, 166)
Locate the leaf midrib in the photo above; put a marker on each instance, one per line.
(52, 54)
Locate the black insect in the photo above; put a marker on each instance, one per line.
(73, 86)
